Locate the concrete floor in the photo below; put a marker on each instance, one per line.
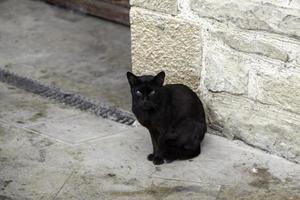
(51, 151)
(75, 52)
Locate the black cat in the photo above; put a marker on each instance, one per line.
(173, 114)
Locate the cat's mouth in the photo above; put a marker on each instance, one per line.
(147, 106)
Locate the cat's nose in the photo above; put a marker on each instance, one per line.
(146, 105)
(144, 102)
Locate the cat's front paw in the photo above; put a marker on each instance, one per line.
(150, 157)
(158, 160)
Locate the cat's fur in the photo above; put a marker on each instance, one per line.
(173, 114)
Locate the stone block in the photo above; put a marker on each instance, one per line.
(263, 126)
(166, 6)
(263, 69)
(278, 86)
(265, 15)
(225, 72)
(260, 44)
(161, 42)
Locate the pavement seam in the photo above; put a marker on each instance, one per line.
(62, 186)
(45, 135)
(99, 138)
(178, 180)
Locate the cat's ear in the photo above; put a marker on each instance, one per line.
(159, 78)
(132, 79)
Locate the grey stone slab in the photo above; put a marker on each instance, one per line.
(116, 168)
(229, 162)
(263, 190)
(21, 108)
(89, 185)
(239, 170)
(73, 51)
(31, 166)
(78, 129)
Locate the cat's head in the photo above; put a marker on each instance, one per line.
(144, 89)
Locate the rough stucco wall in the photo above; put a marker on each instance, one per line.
(159, 44)
(243, 59)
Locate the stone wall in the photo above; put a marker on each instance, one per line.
(241, 57)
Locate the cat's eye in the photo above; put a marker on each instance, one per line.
(138, 93)
(152, 93)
